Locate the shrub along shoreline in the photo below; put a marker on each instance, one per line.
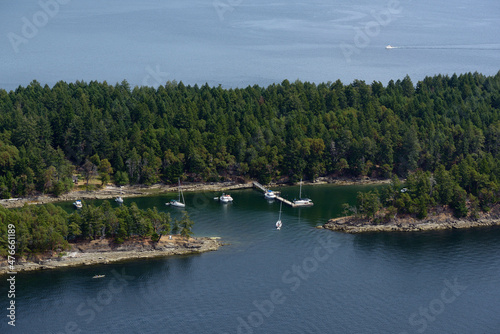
(48, 228)
(105, 251)
(435, 221)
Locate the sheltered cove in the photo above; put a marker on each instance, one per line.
(104, 251)
(111, 191)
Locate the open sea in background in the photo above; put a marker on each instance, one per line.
(319, 281)
(296, 280)
(236, 43)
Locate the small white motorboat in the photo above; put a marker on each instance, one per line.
(99, 276)
(226, 198)
(270, 194)
(119, 200)
(78, 204)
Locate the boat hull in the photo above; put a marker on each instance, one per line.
(302, 203)
(177, 204)
(226, 199)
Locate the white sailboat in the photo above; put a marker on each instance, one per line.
(177, 202)
(302, 201)
(279, 223)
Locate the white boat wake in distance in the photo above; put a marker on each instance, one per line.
(447, 47)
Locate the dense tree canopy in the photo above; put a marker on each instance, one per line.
(444, 125)
(442, 134)
(48, 227)
(299, 129)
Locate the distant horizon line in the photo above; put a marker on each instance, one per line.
(224, 86)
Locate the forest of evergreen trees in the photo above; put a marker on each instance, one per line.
(50, 228)
(442, 134)
(146, 135)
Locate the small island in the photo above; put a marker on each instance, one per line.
(442, 221)
(47, 237)
(106, 251)
(424, 202)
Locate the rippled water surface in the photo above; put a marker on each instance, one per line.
(237, 43)
(297, 280)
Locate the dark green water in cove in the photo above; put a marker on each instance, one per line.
(297, 280)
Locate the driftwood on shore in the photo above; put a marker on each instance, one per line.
(104, 252)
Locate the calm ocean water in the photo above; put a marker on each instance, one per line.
(237, 43)
(297, 280)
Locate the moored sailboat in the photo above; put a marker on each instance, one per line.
(279, 223)
(302, 201)
(177, 202)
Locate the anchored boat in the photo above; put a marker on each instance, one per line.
(178, 203)
(302, 201)
(279, 223)
(226, 198)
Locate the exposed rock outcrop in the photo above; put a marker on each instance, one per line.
(350, 225)
(442, 221)
(105, 251)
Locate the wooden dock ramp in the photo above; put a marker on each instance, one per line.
(279, 198)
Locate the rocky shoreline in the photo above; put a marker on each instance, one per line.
(105, 251)
(111, 191)
(441, 221)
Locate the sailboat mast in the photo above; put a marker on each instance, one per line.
(180, 192)
(300, 191)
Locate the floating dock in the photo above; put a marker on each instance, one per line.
(279, 198)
